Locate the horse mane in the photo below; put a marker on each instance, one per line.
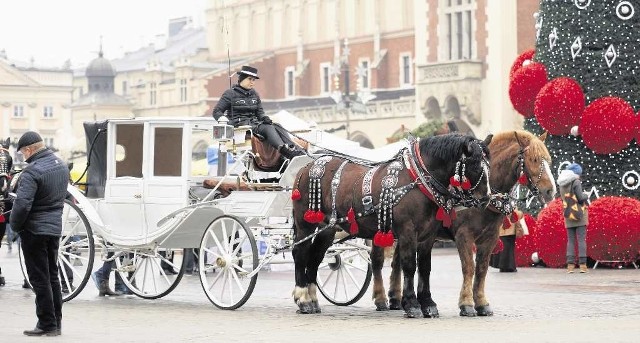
(449, 146)
(504, 140)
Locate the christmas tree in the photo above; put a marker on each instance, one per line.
(582, 85)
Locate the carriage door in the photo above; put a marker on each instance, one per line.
(166, 188)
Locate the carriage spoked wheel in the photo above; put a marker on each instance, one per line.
(228, 254)
(75, 254)
(151, 273)
(345, 273)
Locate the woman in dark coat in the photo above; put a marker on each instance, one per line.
(243, 107)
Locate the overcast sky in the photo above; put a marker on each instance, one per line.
(52, 31)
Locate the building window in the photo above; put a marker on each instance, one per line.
(152, 93)
(47, 111)
(363, 74)
(124, 88)
(48, 141)
(459, 23)
(325, 78)
(290, 82)
(18, 111)
(183, 90)
(405, 70)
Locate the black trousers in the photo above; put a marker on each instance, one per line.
(274, 134)
(41, 259)
(506, 259)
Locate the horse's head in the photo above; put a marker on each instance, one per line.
(459, 158)
(534, 162)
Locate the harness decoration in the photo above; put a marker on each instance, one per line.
(313, 214)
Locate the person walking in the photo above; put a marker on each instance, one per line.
(244, 107)
(37, 217)
(576, 215)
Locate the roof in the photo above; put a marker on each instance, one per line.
(101, 98)
(101, 67)
(271, 105)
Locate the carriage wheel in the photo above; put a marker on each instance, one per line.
(345, 273)
(75, 254)
(228, 253)
(151, 273)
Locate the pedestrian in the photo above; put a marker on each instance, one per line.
(505, 260)
(37, 217)
(576, 215)
(243, 106)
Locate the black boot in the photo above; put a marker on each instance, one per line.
(105, 290)
(289, 151)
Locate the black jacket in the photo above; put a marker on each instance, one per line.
(40, 194)
(243, 107)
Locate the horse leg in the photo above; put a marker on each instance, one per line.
(301, 292)
(319, 247)
(377, 262)
(395, 283)
(407, 253)
(465, 302)
(428, 306)
(482, 265)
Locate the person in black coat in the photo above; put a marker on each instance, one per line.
(243, 106)
(37, 217)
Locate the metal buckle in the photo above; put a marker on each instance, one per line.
(367, 202)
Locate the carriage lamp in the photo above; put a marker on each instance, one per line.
(222, 131)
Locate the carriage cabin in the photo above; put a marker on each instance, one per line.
(143, 169)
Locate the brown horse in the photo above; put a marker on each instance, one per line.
(392, 199)
(515, 155)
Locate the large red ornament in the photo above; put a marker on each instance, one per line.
(551, 235)
(520, 60)
(638, 128)
(559, 105)
(613, 233)
(607, 125)
(525, 85)
(526, 245)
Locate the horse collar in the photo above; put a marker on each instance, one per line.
(425, 182)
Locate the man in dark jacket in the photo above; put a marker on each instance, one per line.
(37, 217)
(244, 107)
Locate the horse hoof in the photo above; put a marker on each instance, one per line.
(467, 311)
(413, 312)
(394, 304)
(430, 312)
(382, 307)
(484, 310)
(316, 307)
(305, 308)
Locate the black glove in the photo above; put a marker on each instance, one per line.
(266, 120)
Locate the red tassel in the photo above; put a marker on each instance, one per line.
(382, 239)
(466, 185)
(523, 179)
(514, 217)
(506, 223)
(440, 214)
(2, 218)
(319, 216)
(446, 222)
(377, 238)
(295, 195)
(353, 229)
(389, 239)
(498, 248)
(453, 181)
(351, 215)
(309, 216)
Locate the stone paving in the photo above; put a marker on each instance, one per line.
(532, 305)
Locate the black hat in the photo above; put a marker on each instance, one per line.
(248, 71)
(28, 138)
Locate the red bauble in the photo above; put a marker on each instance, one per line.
(525, 85)
(607, 125)
(638, 128)
(613, 233)
(551, 235)
(526, 245)
(519, 62)
(559, 105)
(295, 195)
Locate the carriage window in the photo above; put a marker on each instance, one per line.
(129, 161)
(200, 145)
(167, 151)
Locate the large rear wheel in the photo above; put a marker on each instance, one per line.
(228, 255)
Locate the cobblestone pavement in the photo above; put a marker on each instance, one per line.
(532, 305)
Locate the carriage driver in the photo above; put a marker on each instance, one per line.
(243, 106)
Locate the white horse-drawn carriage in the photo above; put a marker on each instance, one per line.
(146, 208)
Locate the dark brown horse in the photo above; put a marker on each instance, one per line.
(392, 199)
(515, 155)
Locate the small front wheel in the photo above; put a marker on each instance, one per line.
(151, 274)
(227, 261)
(345, 273)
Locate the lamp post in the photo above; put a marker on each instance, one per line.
(346, 94)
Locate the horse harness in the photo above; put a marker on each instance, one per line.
(390, 193)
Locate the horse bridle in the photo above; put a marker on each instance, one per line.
(532, 186)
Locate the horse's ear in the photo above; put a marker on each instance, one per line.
(515, 133)
(488, 139)
(543, 136)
